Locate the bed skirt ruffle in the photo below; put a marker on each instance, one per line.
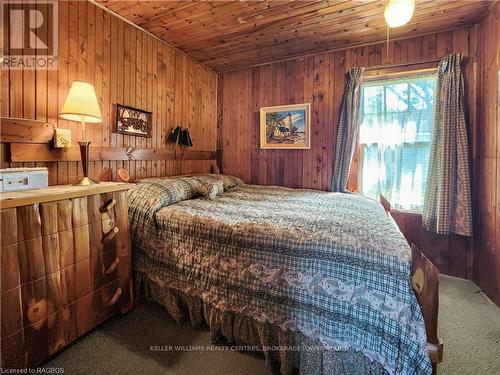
(285, 352)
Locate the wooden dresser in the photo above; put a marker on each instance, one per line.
(65, 266)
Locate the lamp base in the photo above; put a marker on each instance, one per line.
(84, 151)
(86, 181)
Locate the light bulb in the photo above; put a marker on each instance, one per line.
(399, 12)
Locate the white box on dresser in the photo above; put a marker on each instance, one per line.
(15, 179)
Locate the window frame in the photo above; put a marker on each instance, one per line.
(385, 79)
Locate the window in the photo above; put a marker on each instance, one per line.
(395, 139)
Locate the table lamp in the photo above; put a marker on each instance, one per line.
(81, 105)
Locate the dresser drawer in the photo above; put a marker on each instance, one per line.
(95, 307)
(105, 206)
(43, 297)
(8, 227)
(35, 342)
(108, 267)
(43, 340)
(12, 351)
(11, 274)
(11, 312)
(110, 234)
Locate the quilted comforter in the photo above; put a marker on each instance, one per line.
(328, 265)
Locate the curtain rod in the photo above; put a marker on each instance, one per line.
(380, 67)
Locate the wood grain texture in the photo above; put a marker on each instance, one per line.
(62, 276)
(487, 198)
(126, 66)
(27, 131)
(229, 35)
(425, 282)
(427, 291)
(447, 252)
(21, 152)
(55, 193)
(319, 80)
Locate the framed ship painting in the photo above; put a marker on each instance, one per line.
(133, 121)
(285, 127)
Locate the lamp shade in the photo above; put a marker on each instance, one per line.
(81, 103)
(399, 12)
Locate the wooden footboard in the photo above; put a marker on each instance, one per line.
(425, 282)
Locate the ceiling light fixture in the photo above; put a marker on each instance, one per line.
(398, 12)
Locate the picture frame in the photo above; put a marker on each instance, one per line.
(286, 127)
(133, 121)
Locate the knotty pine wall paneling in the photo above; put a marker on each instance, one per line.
(319, 79)
(487, 228)
(126, 66)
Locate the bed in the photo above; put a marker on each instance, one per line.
(320, 282)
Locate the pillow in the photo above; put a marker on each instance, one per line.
(151, 194)
(210, 190)
(229, 182)
(220, 187)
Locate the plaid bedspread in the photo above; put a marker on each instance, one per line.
(329, 265)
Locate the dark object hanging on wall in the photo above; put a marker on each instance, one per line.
(181, 137)
(186, 138)
(133, 121)
(175, 135)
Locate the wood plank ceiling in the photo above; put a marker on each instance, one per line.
(228, 35)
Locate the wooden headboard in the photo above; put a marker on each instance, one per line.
(30, 141)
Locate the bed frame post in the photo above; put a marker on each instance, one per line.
(425, 283)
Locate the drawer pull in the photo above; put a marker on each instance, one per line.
(109, 206)
(112, 233)
(115, 297)
(106, 211)
(113, 266)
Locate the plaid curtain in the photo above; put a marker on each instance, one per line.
(447, 203)
(348, 129)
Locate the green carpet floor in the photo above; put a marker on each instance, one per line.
(469, 325)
